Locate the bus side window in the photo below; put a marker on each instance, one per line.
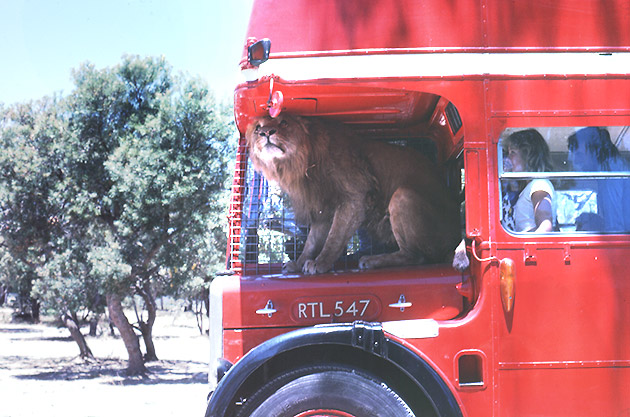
(587, 178)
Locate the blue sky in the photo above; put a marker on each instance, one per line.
(42, 40)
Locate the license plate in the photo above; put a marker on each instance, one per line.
(328, 309)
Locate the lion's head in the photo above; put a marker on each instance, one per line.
(279, 147)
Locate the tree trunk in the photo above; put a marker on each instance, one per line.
(35, 305)
(70, 321)
(94, 324)
(146, 328)
(198, 311)
(135, 365)
(147, 336)
(206, 303)
(3, 294)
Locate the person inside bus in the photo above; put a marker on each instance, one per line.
(533, 209)
(591, 150)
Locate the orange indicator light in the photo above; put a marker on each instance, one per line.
(507, 276)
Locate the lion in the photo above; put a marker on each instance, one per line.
(338, 183)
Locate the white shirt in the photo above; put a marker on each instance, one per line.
(524, 209)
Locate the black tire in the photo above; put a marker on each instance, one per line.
(325, 390)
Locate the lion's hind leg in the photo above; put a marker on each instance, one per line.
(389, 259)
(416, 229)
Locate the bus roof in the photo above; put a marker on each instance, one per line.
(335, 26)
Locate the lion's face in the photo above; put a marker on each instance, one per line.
(275, 142)
(272, 139)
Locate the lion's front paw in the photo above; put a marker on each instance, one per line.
(312, 267)
(309, 267)
(290, 267)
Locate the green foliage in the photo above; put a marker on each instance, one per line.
(29, 173)
(119, 185)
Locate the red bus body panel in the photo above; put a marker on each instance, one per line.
(430, 292)
(301, 26)
(565, 347)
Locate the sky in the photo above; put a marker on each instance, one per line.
(41, 41)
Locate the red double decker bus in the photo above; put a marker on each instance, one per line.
(538, 325)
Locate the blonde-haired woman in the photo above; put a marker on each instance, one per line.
(534, 210)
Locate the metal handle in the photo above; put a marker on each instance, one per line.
(401, 304)
(268, 309)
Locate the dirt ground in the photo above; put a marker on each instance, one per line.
(41, 374)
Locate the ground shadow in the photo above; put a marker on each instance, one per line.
(19, 330)
(112, 371)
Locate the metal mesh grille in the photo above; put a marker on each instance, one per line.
(270, 232)
(264, 233)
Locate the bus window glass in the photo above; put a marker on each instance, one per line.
(565, 179)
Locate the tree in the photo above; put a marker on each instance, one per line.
(28, 174)
(149, 153)
(64, 282)
(100, 109)
(31, 217)
(115, 191)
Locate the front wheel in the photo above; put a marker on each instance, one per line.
(325, 391)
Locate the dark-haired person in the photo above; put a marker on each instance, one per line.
(591, 150)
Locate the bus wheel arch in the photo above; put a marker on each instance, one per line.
(424, 392)
(328, 389)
